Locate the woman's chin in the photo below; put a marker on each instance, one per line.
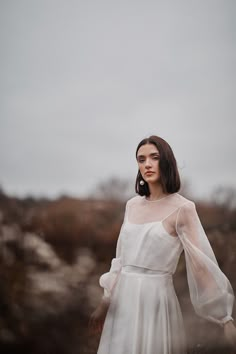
(152, 181)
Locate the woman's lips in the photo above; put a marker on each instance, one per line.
(149, 173)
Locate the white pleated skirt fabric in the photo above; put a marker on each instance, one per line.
(144, 316)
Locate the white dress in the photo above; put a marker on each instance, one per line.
(144, 315)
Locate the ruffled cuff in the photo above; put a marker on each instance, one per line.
(108, 280)
(226, 319)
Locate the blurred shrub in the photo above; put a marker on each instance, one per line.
(52, 254)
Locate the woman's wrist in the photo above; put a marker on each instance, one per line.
(105, 300)
(226, 319)
(229, 322)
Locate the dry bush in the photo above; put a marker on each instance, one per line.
(52, 254)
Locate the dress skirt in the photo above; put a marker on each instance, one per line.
(144, 316)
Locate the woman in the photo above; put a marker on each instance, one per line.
(139, 306)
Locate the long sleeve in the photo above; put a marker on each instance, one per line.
(108, 280)
(210, 290)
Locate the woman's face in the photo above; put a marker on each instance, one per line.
(148, 159)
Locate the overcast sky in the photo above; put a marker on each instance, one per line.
(82, 82)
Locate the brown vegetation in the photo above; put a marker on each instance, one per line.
(51, 255)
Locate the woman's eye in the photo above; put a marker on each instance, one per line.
(156, 157)
(141, 160)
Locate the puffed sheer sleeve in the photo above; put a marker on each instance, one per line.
(108, 280)
(210, 290)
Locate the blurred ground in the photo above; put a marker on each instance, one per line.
(52, 253)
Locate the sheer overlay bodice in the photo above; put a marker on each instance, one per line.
(152, 237)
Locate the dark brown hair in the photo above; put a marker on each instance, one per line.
(169, 174)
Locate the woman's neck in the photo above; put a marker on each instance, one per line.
(156, 192)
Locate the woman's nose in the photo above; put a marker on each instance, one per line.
(147, 163)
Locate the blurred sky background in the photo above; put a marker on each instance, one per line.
(82, 82)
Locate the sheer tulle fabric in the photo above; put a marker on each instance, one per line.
(108, 280)
(210, 291)
(144, 314)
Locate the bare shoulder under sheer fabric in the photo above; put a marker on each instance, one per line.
(144, 315)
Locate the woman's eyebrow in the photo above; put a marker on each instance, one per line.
(152, 154)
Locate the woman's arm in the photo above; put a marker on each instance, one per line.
(98, 317)
(210, 290)
(108, 282)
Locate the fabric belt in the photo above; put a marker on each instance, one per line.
(140, 271)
